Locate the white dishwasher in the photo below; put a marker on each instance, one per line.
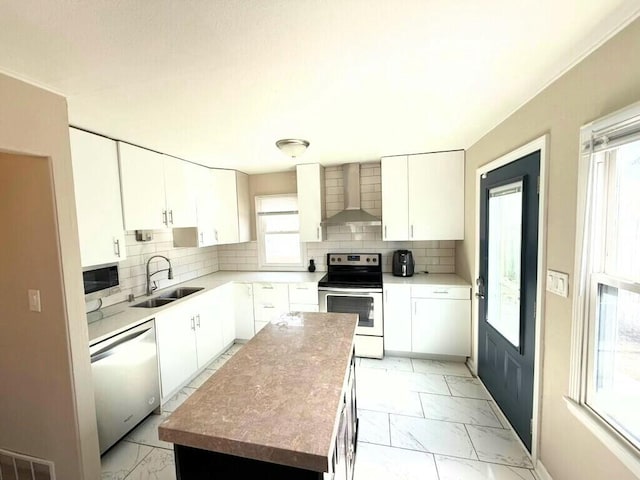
(125, 381)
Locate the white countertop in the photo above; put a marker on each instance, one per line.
(122, 316)
(442, 279)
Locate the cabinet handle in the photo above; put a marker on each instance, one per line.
(318, 232)
(411, 231)
(415, 308)
(216, 232)
(193, 324)
(441, 291)
(268, 306)
(302, 288)
(171, 216)
(164, 218)
(116, 246)
(201, 238)
(386, 295)
(267, 287)
(385, 232)
(198, 320)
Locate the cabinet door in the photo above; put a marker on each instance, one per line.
(209, 341)
(175, 330)
(142, 183)
(98, 203)
(397, 318)
(395, 198)
(436, 196)
(224, 308)
(243, 294)
(180, 192)
(244, 207)
(310, 180)
(225, 205)
(441, 326)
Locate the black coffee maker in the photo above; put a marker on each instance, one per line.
(403, 263)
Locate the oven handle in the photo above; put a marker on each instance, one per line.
(360, 291)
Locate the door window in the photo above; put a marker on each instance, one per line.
(504, 267)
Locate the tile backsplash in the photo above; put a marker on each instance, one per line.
(436, 256)
(187, 263)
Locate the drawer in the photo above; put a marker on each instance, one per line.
(273, 293)
(435, 291)
(305, 293)
(265, 312)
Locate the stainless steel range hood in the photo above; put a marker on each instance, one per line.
(352, 215)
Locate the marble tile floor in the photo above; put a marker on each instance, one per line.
(419, 419)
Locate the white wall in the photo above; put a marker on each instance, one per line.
(46, 395)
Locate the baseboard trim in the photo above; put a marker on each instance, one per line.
(541, 471)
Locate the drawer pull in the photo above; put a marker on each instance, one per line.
(441, 291)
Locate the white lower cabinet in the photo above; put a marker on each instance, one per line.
(441, 320)
(303, 297)
(209, 327)
(397, 318)
(192, 334)
(243, 300)
(270, 300)
(178, 358)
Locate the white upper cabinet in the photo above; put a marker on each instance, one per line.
(179, 192)
(142, 183)
(395, 198)
(98, 203)
(155, 190)
(423, 196)
(310, 180)
(436, 196)
(231, 206)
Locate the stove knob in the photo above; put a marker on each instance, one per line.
(333, 259)
(339, 259)
(375, 259)
(368, 259)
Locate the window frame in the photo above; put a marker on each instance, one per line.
(590, 271)
(260, 236)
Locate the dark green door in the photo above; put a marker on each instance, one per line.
(506, 288)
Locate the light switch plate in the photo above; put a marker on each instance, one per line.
(558, 283)
(34, 301)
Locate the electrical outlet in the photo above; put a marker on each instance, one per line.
(558, 283)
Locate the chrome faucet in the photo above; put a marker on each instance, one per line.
(169, 271)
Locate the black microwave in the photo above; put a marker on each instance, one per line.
(101, 281)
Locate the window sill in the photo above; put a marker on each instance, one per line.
(624, 451)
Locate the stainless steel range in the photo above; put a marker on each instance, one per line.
(353, 284)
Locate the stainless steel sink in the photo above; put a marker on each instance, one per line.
(154, 302)
(181, 292)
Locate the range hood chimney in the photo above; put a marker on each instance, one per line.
(352, 213)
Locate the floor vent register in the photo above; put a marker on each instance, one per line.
(15, 466)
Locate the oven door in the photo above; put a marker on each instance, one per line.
(367, 305)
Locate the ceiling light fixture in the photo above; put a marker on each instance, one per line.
(292, 147)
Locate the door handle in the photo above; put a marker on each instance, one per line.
(480, 286)
(116, 247)
(164, 218)
(171, 216)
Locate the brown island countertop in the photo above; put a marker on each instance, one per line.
(277, 399)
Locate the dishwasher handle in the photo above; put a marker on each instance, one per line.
(107, 347)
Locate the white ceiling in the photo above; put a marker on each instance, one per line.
(219, 81)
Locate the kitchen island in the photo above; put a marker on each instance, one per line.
(282, 407)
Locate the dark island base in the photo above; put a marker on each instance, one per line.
(196, 464)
